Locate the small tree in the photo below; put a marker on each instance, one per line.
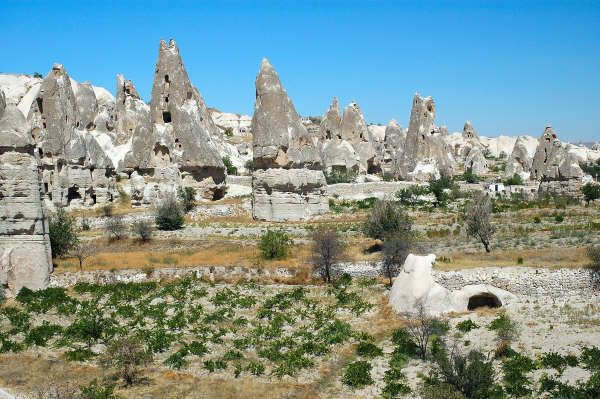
(169, 215)
(387, 218)
(115, 228)
(478, 219)
(514, 180)
(62, 232)
(327, 248)
(438, 188)
(395, 250)
(422, 327)
(142, 229)
(127, 357)
(274, 244)
(187, 196)
(83, 251)
(591, 192)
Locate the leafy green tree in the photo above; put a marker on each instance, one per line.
(514, 180)
(591, 192)
(63, 233)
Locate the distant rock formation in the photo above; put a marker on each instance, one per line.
(473, 151)
(553, 161)
(25, 258)
(394, 141)
(288, 181)
(346, 142)
(426, 154)
(519, 162)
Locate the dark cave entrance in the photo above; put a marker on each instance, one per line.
(483, 300)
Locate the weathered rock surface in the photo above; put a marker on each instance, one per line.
(415, 287)
(519, 162)
(288, 181)
(25, 259)
(553, 160)
(426, 154)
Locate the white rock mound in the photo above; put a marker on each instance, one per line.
(415, 285)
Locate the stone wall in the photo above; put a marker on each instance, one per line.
(520, 280)
(517, 280)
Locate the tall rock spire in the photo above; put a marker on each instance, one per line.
(287, 182)
(280, 140)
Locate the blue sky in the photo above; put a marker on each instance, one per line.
(510, 67)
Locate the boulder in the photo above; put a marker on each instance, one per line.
(415, 287)
(288, 182)
(425, 154)
(25, 258)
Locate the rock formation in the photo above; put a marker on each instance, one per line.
(472, 151)
(288, 181)
(393, 147)
(553, 161)
(426, 154)
(415, 287)
(519, 161)
(25, 259)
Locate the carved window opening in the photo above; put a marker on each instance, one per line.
(166, 117)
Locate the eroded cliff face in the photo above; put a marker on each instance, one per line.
(288, 181)
(25, 258)
(553, 161)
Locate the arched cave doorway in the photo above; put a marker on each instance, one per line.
(483, 300)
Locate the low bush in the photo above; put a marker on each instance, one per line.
(358, 374)
(169, 215)
(368, 349)
(274, 244)
(187, 196)
(231, 170)
(107, 210)
(466, 326)
(340, 176)
(142, 230)
(115, 228)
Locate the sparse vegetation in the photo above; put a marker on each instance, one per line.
(127, 357)
(187, 196)
(115, 228)
(327, 249)
(340, 176)
(62, 232)
(387, 218)
(478, 219)
(231, 170)
(142, 230)
(169, 215)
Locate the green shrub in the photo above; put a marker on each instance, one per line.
(506, 329)
(340, 176)
(537, 219)
(395, 384)
(559, 218)
(115, 228)
(466, 326)
(514, 180)
(40, 335)
(187, 196)
(96, 390)
(127, 356)
(590, 358)
(558, 362)
(231, 170)
(358, 374)
(515, 370)
(470, 177)
(368, 349)
(438, 188)
(228, 131)
(472, 375)
(142, 230)
(79, 355)
(387, 218)
(256, 368)
(62, 232)
(411, 195)
(274, 244)
(169, 215)
(520, 260)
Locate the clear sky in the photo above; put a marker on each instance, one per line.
(511, 67)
